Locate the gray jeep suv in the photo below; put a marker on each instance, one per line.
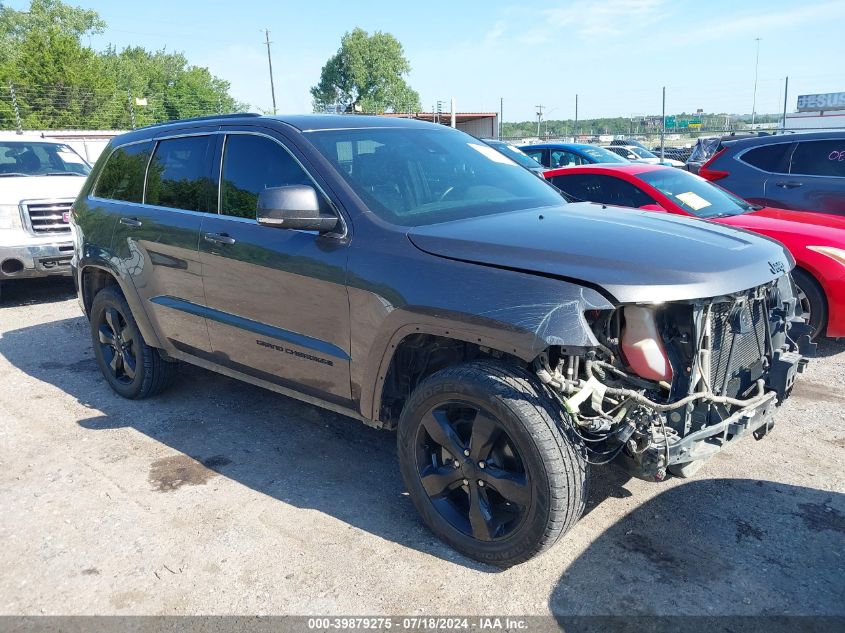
(408, 275)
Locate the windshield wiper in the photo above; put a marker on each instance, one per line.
(62, 173)
(14, 173)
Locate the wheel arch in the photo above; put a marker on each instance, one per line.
(94, 276)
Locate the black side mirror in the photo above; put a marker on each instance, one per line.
(293, 207)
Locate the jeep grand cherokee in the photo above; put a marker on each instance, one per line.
(410, 276)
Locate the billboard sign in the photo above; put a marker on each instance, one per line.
(817, 103)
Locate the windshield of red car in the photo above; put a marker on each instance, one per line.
(695, 195)
(418, 176)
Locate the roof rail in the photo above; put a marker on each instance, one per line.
(210, 117)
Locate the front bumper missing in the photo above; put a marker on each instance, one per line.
(672, 449)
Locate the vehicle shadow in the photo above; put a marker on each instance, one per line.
(830, 347)
(297, 453)
(735, 547)
(21, 292)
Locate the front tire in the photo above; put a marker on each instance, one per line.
(489, 464)
(132, 368)
(812, 300)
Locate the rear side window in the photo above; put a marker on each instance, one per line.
(252, 164)
(178, 176)
(602, 189)
(536, 154)
(122, 177)
(819, 158)
(771, 158)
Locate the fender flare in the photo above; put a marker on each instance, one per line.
(126, 286)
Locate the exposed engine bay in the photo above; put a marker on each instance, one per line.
(669, 384)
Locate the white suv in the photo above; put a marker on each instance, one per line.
(39, 180)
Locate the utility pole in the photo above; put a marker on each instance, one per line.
(501, 116)
(539, 118)
(785, 95)
(575, 129)
(663, 129)
(756, 65)
(270, 63)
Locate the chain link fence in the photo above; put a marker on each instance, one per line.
(73, 108)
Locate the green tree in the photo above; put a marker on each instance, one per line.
(60, 83)
(366, 74)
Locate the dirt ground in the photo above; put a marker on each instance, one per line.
(221, 498)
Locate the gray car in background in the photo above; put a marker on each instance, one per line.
(804, 172)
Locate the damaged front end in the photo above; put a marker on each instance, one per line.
(668, 385)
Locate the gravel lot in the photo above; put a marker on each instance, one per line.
(219, 497)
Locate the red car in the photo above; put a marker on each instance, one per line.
(816, 241)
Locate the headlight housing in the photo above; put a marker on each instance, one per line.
(10, 216)
(831, 251)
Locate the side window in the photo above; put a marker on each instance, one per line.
(250, 165)
(122, 177)
(562, 158)
(577, 186)
(771, 158)
(179, 175)
(536, 154)
(819, 158)
(602, 189)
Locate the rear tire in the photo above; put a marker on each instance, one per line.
(132, 368)
(813, 301)
(532, 485)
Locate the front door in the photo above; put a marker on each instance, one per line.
(276, 297)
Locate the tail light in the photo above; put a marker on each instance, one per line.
(642, 346)
(712, 174)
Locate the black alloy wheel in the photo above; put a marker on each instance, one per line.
(471, 470)
(118, 345)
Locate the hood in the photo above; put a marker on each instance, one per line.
(13, 189)
(818, 228)
(635, 256)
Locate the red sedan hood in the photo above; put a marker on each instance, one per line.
(830, 229)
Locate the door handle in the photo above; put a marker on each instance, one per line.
(130, 222)
(788, 184)
(218, 238)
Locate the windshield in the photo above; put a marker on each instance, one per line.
(695, 195)
(515, 154)
(601, 155)
(414, 177)
(28, 158)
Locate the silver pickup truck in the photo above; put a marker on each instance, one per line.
(39, 180)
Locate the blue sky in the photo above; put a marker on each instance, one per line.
(616, 54)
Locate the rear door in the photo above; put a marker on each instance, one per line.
(277, 301)
(157, 242)
(816, 179)
(758, 169)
